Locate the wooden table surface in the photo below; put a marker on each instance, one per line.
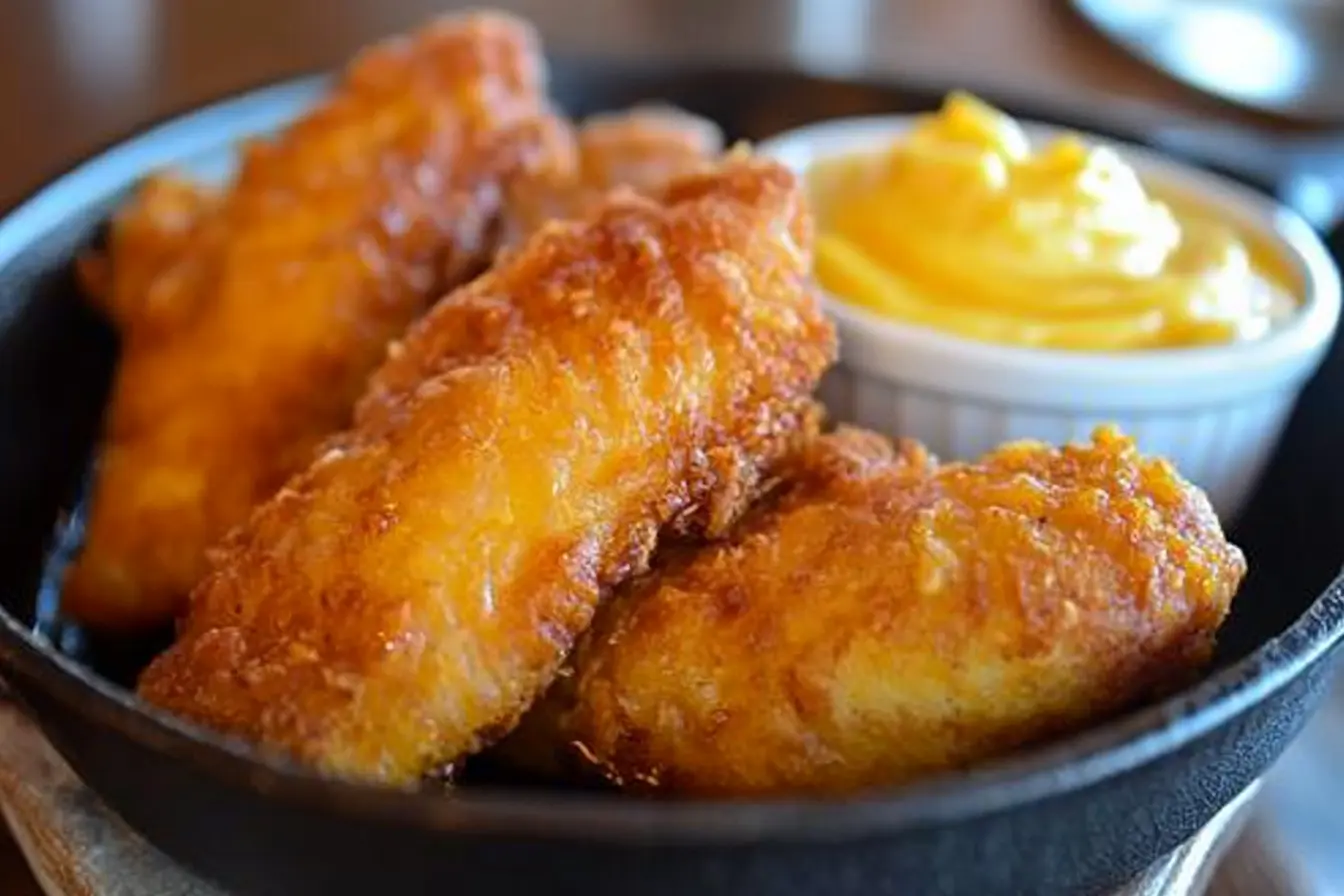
(75, 74)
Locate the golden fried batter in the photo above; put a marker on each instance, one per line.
(642, 148)
(400, 604)
(884, 618)
(266, 311)
(645, 146)
(147, 237)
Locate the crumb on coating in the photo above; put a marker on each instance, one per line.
(403, 601)
(887, 618)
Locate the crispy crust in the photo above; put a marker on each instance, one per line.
(885, 618)
(251, 320)
(642, 149)
(402, 602)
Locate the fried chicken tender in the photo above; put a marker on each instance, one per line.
(253, 319)
(147, 237)
(643, 148)
(399, 605)
(882, 618)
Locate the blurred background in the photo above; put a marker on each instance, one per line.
(1256, 86)
(76, 73)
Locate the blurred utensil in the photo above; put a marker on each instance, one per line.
(1280, 56)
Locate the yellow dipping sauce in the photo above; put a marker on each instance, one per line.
(964, 227)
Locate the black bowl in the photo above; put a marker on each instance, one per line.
(1081, 815)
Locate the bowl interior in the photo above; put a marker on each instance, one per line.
(57, 357)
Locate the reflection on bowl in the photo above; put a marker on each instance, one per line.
(1214, 410)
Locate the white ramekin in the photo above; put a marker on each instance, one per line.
(1216, 412)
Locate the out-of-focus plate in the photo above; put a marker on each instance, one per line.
(1279, 56)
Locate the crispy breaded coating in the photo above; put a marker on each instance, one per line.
(643, 148)
(252, 330)
(147, 237)
(401, 603)
(884, 618)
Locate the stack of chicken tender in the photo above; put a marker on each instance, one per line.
(452, 425)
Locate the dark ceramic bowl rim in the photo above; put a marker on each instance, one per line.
(1053, 770)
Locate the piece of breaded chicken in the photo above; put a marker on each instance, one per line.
(249, 343)
(148, 236)
(882, 618)
(642, 148)
(401, 603)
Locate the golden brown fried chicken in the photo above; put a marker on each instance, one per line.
(147, 237)
(642, 148)
(402, 602)
(267, 310)
(646, 146)
(883, 618)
